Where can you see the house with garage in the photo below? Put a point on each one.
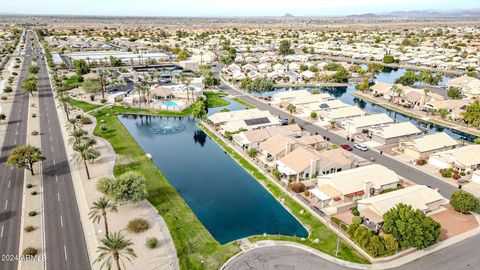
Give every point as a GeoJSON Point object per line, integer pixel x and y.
{"type": "Point", "coordinates": [235, 121]}
{"type": "Point", "coordinates": [420, 197]}
{"type": "Point", "coordinates": [363, 123]}
{"type": "Point", "coordinates": [393, 133]}
{"type": "Point", "coordinates": [422, 147]}
{"type": "Point", "coordinates": [287, 96]}
{"type": "Point", "coordinates": [339, 191]}
{"type": "Point", "coordinates": [464, 159]}
{"type": "Point", "coordinates": [252, 138]}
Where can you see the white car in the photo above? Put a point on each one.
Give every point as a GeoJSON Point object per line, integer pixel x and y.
{"type": "Point", "coordinates": [361, 147]}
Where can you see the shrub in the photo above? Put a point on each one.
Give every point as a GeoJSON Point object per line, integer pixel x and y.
{"type": "Point", "coordinates": [4, 98]}
{"type": "Point", "coordinates": [306, 193]}
{"type": "Point", "coordinates": [33, 193]}
{"type": "Point", "coordinates": [29, 229]}
{"type": "Point", "coordinates": [357, 220]}
{"type": "Point", "coordinates": [85, 120]}
{"type": "Point", "coordinates": [29, 185]}
{"type": "Point", "coordinates": [355, 212]}
{"type": "Point", "coordinates": [34, 115]}
{"type": "Point", "coordinates": [137, 225]}
{"type": "Point", "coordinates": [7, 89]}
{"type": "Point", "coordinates": [92, 97]}
{"type": "Point", "coordinates": [421, 162]}
{"type": "Point", "coordinates": [313, 115]}
{"type": "Point", "coordinates": [32, 213]}
{"type": "Point", "coordinates": [152, 242]}
{"type": "Point", "coordinates": [252, 152]}
{"type": "Point", "coordinates": [464, 202]}
{"type": "Point", "coordinates": [391, 245]}
{"type": "Point", "coordinates": [29, 251]}
{"type": "Point", "coordinates": [297, 186]}
{"type": "Point", "coordinates": [103, 100]}
{"type": "Point", "coordinates": [446, 173]}
{"type": "Point", "coordinates": [462, 173]}
{"type": "Point", "coordinates": [34, 133]}
{"type": "Point", "coordinates": [104, 127]}
{"type": "Point", "coordinates": [276, 173]}
{"type": "Point", "coordinates": [456, 176]}
{"type": "Point", "coordinates": [103, 185]}
{"type": "Point", "coordinates": [119, 99]}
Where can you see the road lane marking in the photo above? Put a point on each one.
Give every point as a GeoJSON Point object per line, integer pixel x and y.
{"type": "Point", "coordinates": [61, 221]}
{"type": "Point", "coordinates": [58, 197]}
{"type": "Point", "coordinates": [56, 178]}
{"type": "Point", "coordinates": [1, 233]}
{"type": "Point", "coordinates": [6, 204]}
{"type": "Point", "coordinates": [9, 183]}
{"type": "Point", "coordinates": [54, 163]}
{"type": "Point", "coordinates": [65, 249]}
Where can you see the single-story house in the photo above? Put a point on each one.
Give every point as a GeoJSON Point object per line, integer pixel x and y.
{"type": "Point", "coordinates": [287, 96]}
{"type": "Point", "coordinates": [234, 121]}
{"type": "Point", "coordinates": [358, 124]}
{"type": "Point", "coordinates": [342, 114]}
{"type": "Point", "coordinates": [424, 146]}
{"type": "Point", "coordinates": [252, 138]}
{"type": "Point", "coordinates": [420, 197]}
{"type": "Point", "coordinates": [464, 159]}
{"type": "Point", "coordinates": [393, 133]}
{"type": "Point", "coordinates": [348, 186]}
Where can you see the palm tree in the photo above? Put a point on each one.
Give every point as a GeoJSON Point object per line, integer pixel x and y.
{"type": "Point", "coordinates": [140, 88]}
{"type": "Point", "coordinates": [333, 123]}
{"type": "Point", "coordinates": [64, 100]}
{"type": "Point", "coordinates": [182, 78]}
{"type": "Point", "coordinates": [425, 92]}
{"type": "Point", "coordinates": [74, 124]}
{"type": "Point", "coordinates": [103, 81]}
{"type": "Point", "coordinates": [84, 153]}
{"type": "Point", "coordinates": [398, 91]}
{"type": "Point", "coordinates": [99, 211]}
{"type": "Point", "coordinates": [77, 135]}
{"type": "Point", "coordinates": [114, 248]}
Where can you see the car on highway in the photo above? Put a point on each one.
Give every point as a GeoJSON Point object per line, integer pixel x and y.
{"type": "Point", "coordinates": [346, 147]}
{"type": "Point", "coordinates": [361, 147]}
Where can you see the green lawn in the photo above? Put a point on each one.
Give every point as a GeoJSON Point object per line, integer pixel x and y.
{"type": "Point", "coordinates": [84, 106]}
{"type": "Point", "coordinates": [246, 104]}
{"type": "Point", "coordinates": [192, 240]}
{"type": "Point", "coordinates": [72, 82]}
{"type": "Point", "coordinates": [215, 99]}
{"type": "Point", "coordinates": [316, 229]}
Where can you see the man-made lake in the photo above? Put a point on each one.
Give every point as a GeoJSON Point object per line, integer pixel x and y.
{"type": "Point", "coordinates": [345, 94]}
{"type": "Point", "coordinates": [227, 200]}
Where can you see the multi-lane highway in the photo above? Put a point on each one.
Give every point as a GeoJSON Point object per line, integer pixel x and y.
{"type": "Point", "coordinates": [64, 237]}
{"type": "Point", "coordinates": [11, 179]}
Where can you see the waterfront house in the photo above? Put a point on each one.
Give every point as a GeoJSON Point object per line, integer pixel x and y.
{"type": "Point", "coordinates": [160, 93]}
{"type": "Point", "coordinates": [235, 121]}
{"type": "Point", "coordinates": [340, 191]}
{"type": "Point", "coordinates": [470, 86]}
{"type": "Point", "coordinates": [342, 114]}
{"type": "Point", "coordinates": [420, 197]}
{"type": "Point", "coordinates": [278, 146]}
{"type": "Point", "coordinates": [380, 88]}
{"type": "Point", "coordinates": [252, 138]}
{"type": "Point", "coordinates": [393, 133]}
{"type": "Point", "coordinates": [422, 147]}
{"type": "Point", "coordinates": [287, 96]}
{"type": "Point", "coordinates": [359, 124]}
{"type": "Point", "coordinates": [306, 162]}
{"type": "Point", "coordinates": [464, 159]}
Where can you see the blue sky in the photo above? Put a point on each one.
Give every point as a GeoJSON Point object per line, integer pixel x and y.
{"type": "Point", "coordinates": [226, 7]}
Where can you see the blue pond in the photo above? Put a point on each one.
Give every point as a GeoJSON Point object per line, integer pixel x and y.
{"type": "Point", "coordinates": [227, 200]}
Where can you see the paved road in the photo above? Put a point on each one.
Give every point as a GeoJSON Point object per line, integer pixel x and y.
{"type": "Point", "coordinates": [64, 238]}
{"type": "Point", "coordinates": [400, 168]}
{"type": "Point", "coordinates": [11, 180]}
{"type": "Point", "coordinates": [456, 257]}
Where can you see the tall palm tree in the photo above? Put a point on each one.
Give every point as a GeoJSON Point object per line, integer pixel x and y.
{"type": "Point", "coordinates": [84, 153]}
{"type": "Point", "coordinates": [291, 108]}
{"type": "Point", "coordinates": [77, 136]}
{"type": "Point", "coordinates": [425, 92]}
{"type": "Point", "coordinates": [99, 210]}
{"type": "Point", "coordinates": [398, 91]}
{"type": "Point", "coordinates": [140, 89]}
{"type": "Point", "coordinates": [64, 100]}
{"type": "Point", "coordinates": [114, 248]}
{"type": "Point", "coordinates": [73, 124]}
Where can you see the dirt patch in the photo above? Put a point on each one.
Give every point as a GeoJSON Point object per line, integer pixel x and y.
{"type": "Point", "coordinates": [345, 217]}
{"type": "Point", "coordinates": [454, 223]}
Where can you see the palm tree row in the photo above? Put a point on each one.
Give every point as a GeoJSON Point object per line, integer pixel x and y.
{"type": "Point", "coordinates": [82, 145]}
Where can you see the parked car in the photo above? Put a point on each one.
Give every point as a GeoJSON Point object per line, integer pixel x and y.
{"type": "Point", "coordinates": [361, 147]}
{"type": "Point", "coordinates": [346, 147]}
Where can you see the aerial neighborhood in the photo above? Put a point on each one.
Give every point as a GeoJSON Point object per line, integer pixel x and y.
{"type": "Point", "coordinates": [239, 143]}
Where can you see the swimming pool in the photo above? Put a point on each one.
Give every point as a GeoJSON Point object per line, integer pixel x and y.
{"type": "Point", "coordinates": [171, 104]}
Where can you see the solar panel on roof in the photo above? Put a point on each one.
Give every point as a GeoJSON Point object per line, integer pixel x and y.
{"type": "Point", "coordinates": [324, 106]}
{"type": "Point", "coordinates": [257, 121]}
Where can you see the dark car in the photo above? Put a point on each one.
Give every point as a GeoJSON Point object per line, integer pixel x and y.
{"type": "Point", "coordinates": [346, 147]}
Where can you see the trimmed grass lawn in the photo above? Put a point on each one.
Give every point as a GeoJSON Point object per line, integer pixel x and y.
{"type": "Point", "coordinates": [316, 229]}
{"type": "Point", "coordinates": [215, 99]}
{"type": "Point", "coordinates": [84, 106]}
{"type": "Point", "coordinates": [246, 104]}
{"type": "Point", "coordinates": [72, 82]}
{"type": "Point", "coordinates": [192, 240]}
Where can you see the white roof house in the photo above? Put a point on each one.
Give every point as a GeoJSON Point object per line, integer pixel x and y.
{"type": "Point", "coordinates": [420, 197]}
{"type": "Point", "coordinates": [425, 145]}
{"type": "Point", "coordinates": [289, 95]}
{"type": "Point", "coordinates": [394, 132]}
{"type": "Point", "coordinates": [342, 114]}
{"type": "Point", "coordinates": [310, 99]}
{"type": "Point", "coordinates": [463, 158]}
{"type": "Point", "coordinates": [357, 124]}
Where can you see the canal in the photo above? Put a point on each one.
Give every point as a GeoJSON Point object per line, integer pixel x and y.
{"type": "Point", "coordinates": [345, 94]}
{"type": "Point", "coordinates": [226, 199]}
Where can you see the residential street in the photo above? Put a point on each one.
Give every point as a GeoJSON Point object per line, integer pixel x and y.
{"type": "Point", "coordinates": [64, 238]}
{"type": "Point", "coordinates": [11, 179]}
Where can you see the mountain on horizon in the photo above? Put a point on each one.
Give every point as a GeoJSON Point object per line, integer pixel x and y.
{"type": "Point", "coordinates": [464, 13]}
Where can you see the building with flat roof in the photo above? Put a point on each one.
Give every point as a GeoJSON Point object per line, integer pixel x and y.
{"type": "Point", "coordinates": [358, 124]}
{"type": "Point", "coordinates": [235, 121]}
{"type": "Point", "coordinates": [393, 133]}
{"type": "Point", "coordinates": [464, 159]}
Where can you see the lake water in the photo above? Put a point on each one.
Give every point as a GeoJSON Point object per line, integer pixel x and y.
{"type": "Point", "coordinates": [345, 94]}
{"type": "Point", "coordinates": [227, 200]}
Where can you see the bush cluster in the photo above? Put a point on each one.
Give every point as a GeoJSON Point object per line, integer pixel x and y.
{"type": "Point", "coordinates": [297, 186]}
{"type": "Point", "coordinates": [373, 244]}
{"type": "Point", "coordinates": [152, 242]}
{"type": "Point", "coordinates": [137, 225]}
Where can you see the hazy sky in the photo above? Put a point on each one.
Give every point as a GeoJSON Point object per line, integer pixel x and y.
{"type": "Point", "coordinates": [225, 7]}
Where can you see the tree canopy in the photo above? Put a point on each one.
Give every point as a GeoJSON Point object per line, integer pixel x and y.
{"type": "Point", "coordinates": [284, 48]}
{"type": "Point", "coordinates": [411, 228]}
{"type": "Point", "coordinates": [454, 93]}
{"type": "Point", "coordinates": [128, 187]}
{"type": "Point", "coordinates": [472, 114]}
{"type": "Point", "coordinates": [257, 85]}
{"type": "Point", "coordinates": [81, 67]}
{"type": "Point", "coordinates": [24, 157]}
{"type": "Point", "coordinates": [409, 78]}
{"type": "Point", "coordinates": [464, 202]}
